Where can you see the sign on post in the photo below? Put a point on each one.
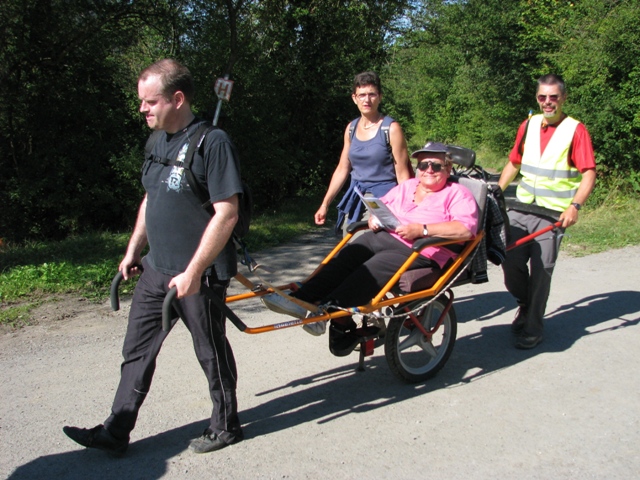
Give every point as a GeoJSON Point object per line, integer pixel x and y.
{"type": "Point", "coordinates": [222, 88]}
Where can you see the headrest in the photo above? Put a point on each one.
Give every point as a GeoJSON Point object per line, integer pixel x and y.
{"type": "Point", "coordinates": [465, 157]}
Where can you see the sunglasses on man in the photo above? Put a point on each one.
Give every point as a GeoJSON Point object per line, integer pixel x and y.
{"type": "Point", "coordinates": [435, 166]}
{"type": "Point", "coordinates": [552, 98]}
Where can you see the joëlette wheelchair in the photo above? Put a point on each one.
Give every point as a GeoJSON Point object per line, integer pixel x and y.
{"type": "Point", "coordinates": [418, 304]}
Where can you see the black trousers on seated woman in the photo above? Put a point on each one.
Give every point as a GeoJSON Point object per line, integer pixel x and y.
{"type": "Point", "coordinates": [359, 271]}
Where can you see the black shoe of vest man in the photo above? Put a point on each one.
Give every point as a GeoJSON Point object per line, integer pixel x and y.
{"type": "Point", "coordinates": [210, 442]}
{"type": "Point", "coordinates": [527, 342]}
{"type": "Point", "coordinates": [517, 326]}
{"type": "Point", "coordinates": [97, 437]}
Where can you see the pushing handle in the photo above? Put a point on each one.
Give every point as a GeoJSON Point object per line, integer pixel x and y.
{"type": "Point", "coordinates": [167, 308]}
{"type": "Point", "coordinates": [530, 237]}
{"type": "Point", "coordinates": [167, 311]}
{"type": "Point", "coordinates": [115, 283]}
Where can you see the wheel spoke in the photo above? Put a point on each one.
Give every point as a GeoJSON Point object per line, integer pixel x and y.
{"type": "Point", "coordinates": [413, 356]}
{"type": "Point", "coordinates": [429, 349]}
{"type": "Point", "coordinates": [411, 340]}
{"type": "Point", "coordinates": [426, 317]}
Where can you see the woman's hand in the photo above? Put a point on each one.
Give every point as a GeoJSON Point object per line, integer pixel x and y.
{"type": "Point", "coordinates": [374, 224]}
{"type": "Point", "coordinates": [321, 215]}
{"type": "Point", "coordinates": [410, 232]}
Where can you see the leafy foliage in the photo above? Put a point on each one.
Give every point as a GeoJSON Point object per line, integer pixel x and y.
{"type": "Point", "coordinates": [456, 71]}
{"type": "Point", "coordinates": [71, 141]}
{"type": "Point", "coordinates": [467, 71]}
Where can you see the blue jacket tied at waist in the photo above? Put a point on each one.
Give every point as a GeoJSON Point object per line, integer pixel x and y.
{"type": "Point", "coordinates": [351, 207]}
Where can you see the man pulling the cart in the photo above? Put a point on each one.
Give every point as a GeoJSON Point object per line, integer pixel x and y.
{"type": "Point", "coordinates": [554, 154]}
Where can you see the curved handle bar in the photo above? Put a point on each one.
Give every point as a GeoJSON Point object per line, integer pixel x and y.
{"type": "Point", "coordinates": [359, 225]}
{"type": "Point", "coordinates": [168, 301]}
{"type": "Point", "coordinates": [115, 283]}
{"type": "Point", "coordinates": [166, 308]}
{"type": "Point", "coordinates": [173, 293]}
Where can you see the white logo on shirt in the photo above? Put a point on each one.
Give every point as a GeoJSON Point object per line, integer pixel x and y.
{"type": "Point", "coordinates": [174, 182]}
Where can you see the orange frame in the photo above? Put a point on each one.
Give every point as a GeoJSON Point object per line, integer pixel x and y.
{"type": "Point", "coordinates": [378, 302]}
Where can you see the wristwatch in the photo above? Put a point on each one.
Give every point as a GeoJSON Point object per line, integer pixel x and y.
{"type": "Point", "coordinates": [425, 232]}
{"type": "Point", "coordinates": [577, 206]}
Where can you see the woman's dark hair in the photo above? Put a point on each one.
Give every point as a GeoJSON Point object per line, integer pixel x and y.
{"type": "Point", "coordinates": [367, 78]}
{"type": "Point", "coordinates": [174, 77]}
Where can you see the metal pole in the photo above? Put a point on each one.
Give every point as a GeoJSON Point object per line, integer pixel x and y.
{"type": "Point", "coordinates": [219, 106]}
{"type": "Point", "coordinates": [217, 114]}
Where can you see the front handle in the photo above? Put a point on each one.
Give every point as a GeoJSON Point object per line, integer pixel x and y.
{"type": "Point", "coordinates": [115, 283]}
{"type": "Point", "coordinates": [167, 308]}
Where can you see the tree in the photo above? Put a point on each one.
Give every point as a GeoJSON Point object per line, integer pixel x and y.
{"type": "Point", "coordinates": [71, 145]}
{"type": "Point", "coordinates": [67, 113]}
{"type": "Point", "coordinates": [600, 63]}
{"type": "Point", "coordinates": [466, 71]}
{"type": "Point", "coordinates": [293, 65]}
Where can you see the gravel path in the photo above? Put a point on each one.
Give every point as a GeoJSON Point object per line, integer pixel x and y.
{"type": "Point", "coordinates": [568, 409]}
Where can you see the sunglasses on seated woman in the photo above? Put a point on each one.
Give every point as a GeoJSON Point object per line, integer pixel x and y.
{"type": "Point", "coordinates": [435, 166]}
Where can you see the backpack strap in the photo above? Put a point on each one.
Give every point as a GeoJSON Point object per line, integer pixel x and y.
{"type": "Point", "coordinates": [352, 128]}
{"type": "Point", "coordinates": [197, 188]}
{"type": "Point", "coordinates": [386, 124]}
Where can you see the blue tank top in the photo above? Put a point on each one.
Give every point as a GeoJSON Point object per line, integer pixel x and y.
{"type": "Point", "coordinates": [371, 160]}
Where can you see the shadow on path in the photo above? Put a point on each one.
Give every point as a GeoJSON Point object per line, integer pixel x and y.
{"type": "Point", "coordinates": [334, 393]}
{"type": "Point", "coordinates": [491, 349]}
{"type": "Point", "coordinates": [475, 356]}
{"type": "Point", "coordinates": [146, 458]}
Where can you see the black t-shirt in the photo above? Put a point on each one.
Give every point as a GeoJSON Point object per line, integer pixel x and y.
{"type": "Point", "coordinates": [175, 219]}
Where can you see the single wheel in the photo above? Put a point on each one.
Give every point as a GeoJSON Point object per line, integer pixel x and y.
{"type": "Point", "coordinates": [414, 357]}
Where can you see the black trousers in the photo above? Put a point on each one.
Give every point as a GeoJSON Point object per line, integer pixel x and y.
{"type": "Point", "coordinates": [142, 345]}
{"type": "Point", "coordinates": [359, 270]}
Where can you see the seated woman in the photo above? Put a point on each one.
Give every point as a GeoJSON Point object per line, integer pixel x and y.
{"type": "Point", "coordinates": [428, 205]}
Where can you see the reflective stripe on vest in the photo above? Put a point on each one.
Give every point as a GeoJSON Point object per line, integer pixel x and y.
{"type": "Point", "coordinates": [548, 179]}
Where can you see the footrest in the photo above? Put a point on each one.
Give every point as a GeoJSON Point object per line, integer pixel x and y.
{"type": "Point", "coordinates": [342, 343]}
{"type": "Point", "coordinates": [367, 333]}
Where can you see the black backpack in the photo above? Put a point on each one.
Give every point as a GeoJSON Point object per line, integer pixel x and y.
{"type": "Point", "coordinates": [245, 200]}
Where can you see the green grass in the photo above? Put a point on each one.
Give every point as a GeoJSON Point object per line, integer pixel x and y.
{"type": "Point", "coordinates": [36, 272]}
{"type": "Point", "coordinates": [293, 218]}
{"type": "Point", "coordinates": [613, 224]}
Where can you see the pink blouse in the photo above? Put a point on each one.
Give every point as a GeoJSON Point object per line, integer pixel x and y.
{"type": "Point", "coordinates": [453, 202]}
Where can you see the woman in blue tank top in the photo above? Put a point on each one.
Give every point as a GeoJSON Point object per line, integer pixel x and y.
{"type": "Point", "coordinates": [374, 155]}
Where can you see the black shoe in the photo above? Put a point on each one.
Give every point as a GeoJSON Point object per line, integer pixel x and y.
{"type": "Point", "coordinates": [517, 326]}
{"type": "Point", "coordinates": [97, 437]}
{"type": "Point", "coordinates": [526, 342]}
{"type": "Point", "coordinates": [517, 329]}
{"type": "Point", "coordinates": [210, 442]}
{"type": "Point", "coordinates": [342, 338]}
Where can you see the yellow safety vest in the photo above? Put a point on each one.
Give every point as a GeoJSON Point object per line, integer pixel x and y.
{"type": "Point", "coordinates": [548, 179]}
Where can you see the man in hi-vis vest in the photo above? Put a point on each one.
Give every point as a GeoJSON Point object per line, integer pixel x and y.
{"type": "Point", "coordinates": [554, 154]}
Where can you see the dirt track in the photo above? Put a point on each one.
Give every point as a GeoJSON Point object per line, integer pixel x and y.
{"type": "Point", "coordinates": [569, 409]}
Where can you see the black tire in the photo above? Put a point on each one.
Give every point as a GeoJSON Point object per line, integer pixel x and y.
{"type": "Point", "coordinates": [412, 357]}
